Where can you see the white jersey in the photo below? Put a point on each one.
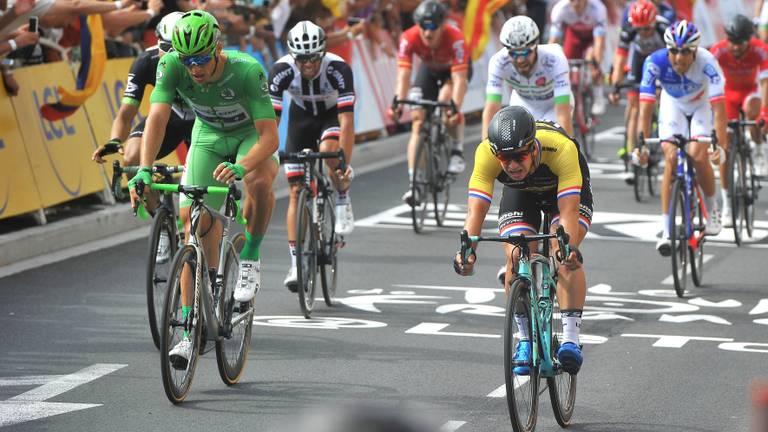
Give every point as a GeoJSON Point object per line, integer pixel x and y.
{"type": "Point", "coordinates": [547, 85]}
{"type": "Point", "coordinates": [592, 19]}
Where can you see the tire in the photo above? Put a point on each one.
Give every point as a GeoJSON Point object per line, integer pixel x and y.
{"type": "Point", "coordinates": [653, 175]}
{"type": "Point", "coordinates": [176, 383]}
{"type": "Point", "coordinates": [522, 390]}
{"type": "Point", "coordinates": [441, 180]}
{"type": "Point", "coordinates": [751, 190]}
{"type": "Point", "coordinates": [562, 387]}
{"type": "Point", "coordinates": [697, 255]}
{"type": "Point", "coordinates": [736, 185]}
{"type": "Point", "coordinates": [306, 253]}
{"type": "Point", "coordinates": [158, 272]}
{"type": "Point", "coordinates": [328, 248]}
{"type": "Point", "coordinates": [422, 173]}
{"type": "Point", "coordinates": [232, 350]}
{"type": "Point", "coordinates": [678, 238]}
{"type": "Point", "coordinates": [589, 135]}
{"type": "Point", "coordinates": [640, 182]}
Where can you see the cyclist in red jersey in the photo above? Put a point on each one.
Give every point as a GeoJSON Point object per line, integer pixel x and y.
{"type": "Point", "coordinates": [744, 60]}
{"type": "Point", "coordinates": [442, 76]}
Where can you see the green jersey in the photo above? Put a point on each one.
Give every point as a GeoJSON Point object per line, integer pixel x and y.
{"type": "Point", "coordinates": [238, 98]}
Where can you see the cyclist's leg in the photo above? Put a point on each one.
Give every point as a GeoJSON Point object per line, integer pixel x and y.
{"type": "Point", "coordinates": [671, 122]}
{"type": "Point", "coordinates": [425, 87]}
{"type": "Point", "coordinates": [633, 104]}
{"type": "Point", "coordinates": [302, 130]}
{"type": "Point", "coordinates": [518, 214]}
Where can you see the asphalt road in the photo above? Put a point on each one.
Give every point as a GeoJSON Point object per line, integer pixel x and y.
{"type": "Point", "coordinates": [75, 350]}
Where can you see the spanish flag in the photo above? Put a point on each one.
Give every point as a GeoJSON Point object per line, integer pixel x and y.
{"type": "Point", "coordinates": [477, 24]}
{"type": "Point", "coordinates": [92, 63]}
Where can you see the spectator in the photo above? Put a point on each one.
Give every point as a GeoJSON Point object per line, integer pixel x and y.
{"type": "Point", "coordinates": [56, 13]}
{"type": "Point", "coordinates": [17, 40]}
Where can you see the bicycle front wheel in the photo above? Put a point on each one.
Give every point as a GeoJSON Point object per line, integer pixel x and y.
{"type": "Point", "coordinates": [697, 254]}
{"type": "Point", "coordinates": [736, 185]}
{"type": "Point", "coordinates": [306, 252]}
{"type": "Point", "coordinates": [751, 188]}
{"type": "Point", "coordinates": [177, 375]}
{"type": "Point", "coordinates": [522, 388]}
{"type": "Point", "coordinates": [328, 241]}
{"type": "Point", "coordinates": [653, 175]}
{"type": "Point", "coordinates": [640, 182]}
{"type": "Point", "coordinates": [678, 236]}
{"type": "Point", "coordinates": [422, 173]}
{"type": "Point", "coordinates": [562, 387]}
{"type": "Point", "coordinates": [163, 244]}
{"type": "Point", "coordinates": [235, 318]}
{"type": "Point", "coordinates": [441, 181]}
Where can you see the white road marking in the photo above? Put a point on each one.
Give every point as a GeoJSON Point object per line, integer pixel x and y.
{"type": "Point", "coordinates": [449, 288]}
{"type": "Point", "coordinates": [452, 425]}
{"type": "Point", "coordinates": [669, 280]}
{"type": "Point", "coordinates": [761, 308]}
{"type": "Point", "coordinates": [435, 329]}
{"type": "Point", "coordinates": [674, 341]}
{"type": "Point", "coordinates": [729, 303]}
{"type": "Point", "coordinates": [501, 391]}
{"type": "Point", "coordinates": [31, 404]}
{"type": "Point", "coordinates": [679, 319]}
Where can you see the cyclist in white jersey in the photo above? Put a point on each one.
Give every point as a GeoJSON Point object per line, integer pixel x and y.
{"type": "Point", "coordinates": [538, 75]}
{"type": "Point", "coordinates": [692, 86]}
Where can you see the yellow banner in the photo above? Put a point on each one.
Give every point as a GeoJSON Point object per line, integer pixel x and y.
{"type": "Point", "coordinates": [60, 151]}
{"type": "Point", "coordinates": [18, 193]}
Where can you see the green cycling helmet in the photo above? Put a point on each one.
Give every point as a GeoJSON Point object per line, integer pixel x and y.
{"type": "Point", "coordinates": [195, 33]}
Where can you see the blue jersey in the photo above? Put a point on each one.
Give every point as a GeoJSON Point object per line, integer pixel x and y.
{"type": "Point", "coordinates": [703, 81]}
{"type": "Point", "coordinates": [663, 8]}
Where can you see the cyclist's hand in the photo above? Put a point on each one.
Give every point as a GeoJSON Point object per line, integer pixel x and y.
{"type": "Point", "coordinates": [717, 156]}
{"type": "Point", "coordinates": [396, 111]}
{"type": "Point", "coordinates": [455, 118]}
{"type": "Point", "coordinates": [574, 260]}
{"type": "Point", "coordinates": [144, 174]}
{"type": "Point", "coordinates": [345, 178]}
{"type": "Point", "coordinates": [614, 98]}
{"type": "Point", "coordinates": [111, 147]}
{"type": "Point", "coordinates": [466, 269]}
{"type": "Point", "coordinates": [228, 172]}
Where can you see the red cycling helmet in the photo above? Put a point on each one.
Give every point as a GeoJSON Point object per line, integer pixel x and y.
{"type": "Point", "coordinates": [642, 13]}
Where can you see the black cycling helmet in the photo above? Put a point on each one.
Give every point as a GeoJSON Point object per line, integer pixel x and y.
{"type": "Point", "coordinates": [429, 13]}
{"type": "Point", "coordinates": [511, 128]}
{"type": "Point", "coordinates": [740, 28]}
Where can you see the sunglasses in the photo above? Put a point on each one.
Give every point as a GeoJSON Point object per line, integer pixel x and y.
{"type": "Point", "coordinates": [518, 156]}
{"type": "Point", "coordinates": [198, 60]}
{"type": "Point", "coordinates": [683, 51]}
{"type": "Point", "coordinates": [308, 58]}
{"type": "Point", "coordinates": [645, 29]}
{"type": "Point", "coordinates": [738, 42]}
{"type": "Point", "coordinates": [165, 46]}
{"type": "Point", "coordinates": [429, 25]}
{"type": "Point", "coordinates": [525, 52]}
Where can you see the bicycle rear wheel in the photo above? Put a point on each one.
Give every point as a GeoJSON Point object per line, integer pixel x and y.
{"type": "Point", "coordinates": [236, 319]}
{"type": "Point", "coordinates": [751, 190]}
{"type": "Point", "coordinates": [422, 174]}
{"type": "Point", "coordinates": [177, 378]}
{"type": "Point", "coordinates": [678, 238]}
{"type": "Point", "coordinates": [697, 254]}
{"type": "Point", "coordinates": [328, 249]}
{"type": "Point", "coordinates": [306, 253]}
{"type": "Point", "coordinates": [440, 181]}
{"type": "Point", "coordinates": [159, 268]}
{"type": "Point", "coordinates": [562, 387]}
{"type": "Point", "coordinates": [522, 390]}
{"type": "Point", "coordinates": [737, 188]}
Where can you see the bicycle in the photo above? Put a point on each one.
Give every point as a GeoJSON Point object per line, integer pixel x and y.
{"type": "Point", "coordinates": [317, 243]}
{"type": "Point", "coordinates": [742, 182]}
{"type": "Point", "coordinates": [687, 214]}
{"type": "Point", "coordinates": [164, 224]}
{"type": "Point", "coordinates": [431, 178]}
{"type": "Point", "coordinates": [534, 302]}
{"type": "Point", "coordinates": [584, 123]}
{"type": "Point", "coordinates": [215, 315]}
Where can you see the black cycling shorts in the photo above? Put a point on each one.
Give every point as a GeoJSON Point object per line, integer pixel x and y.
{"type": "Point", "coordinates": [305, 131]}
{"type": "Point", "coordinates": [429, 82]}
{"type": "Point", "coordinates": [177, 131]}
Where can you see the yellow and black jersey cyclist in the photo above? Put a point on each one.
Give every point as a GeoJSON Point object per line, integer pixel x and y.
{"type": "Point", "coordinates": [541, 169]}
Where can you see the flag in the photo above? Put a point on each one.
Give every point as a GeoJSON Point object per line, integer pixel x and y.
{"type": "Point", "coordinates": [477, 24]}
{"type": "Point", "coordinates": [93, 54]}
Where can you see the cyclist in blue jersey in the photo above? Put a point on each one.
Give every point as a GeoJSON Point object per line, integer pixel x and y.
{"type": "Point", "coordinates": [692, 90]}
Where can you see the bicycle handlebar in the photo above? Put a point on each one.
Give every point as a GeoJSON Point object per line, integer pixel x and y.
{"type": "Point", "coordinates": [736, 123]}
{"type": "Point", "coordinates": [562, 239]}
{"type": "Point", "coordinates": [302, 156]}
{"type": "Point", "coordinates": [679, 140]}
{"type": "Point", "coordinates": [161, 168]}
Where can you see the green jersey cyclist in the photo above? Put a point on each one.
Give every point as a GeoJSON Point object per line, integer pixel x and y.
{"type": "Point", "coordinates": [227, 90]}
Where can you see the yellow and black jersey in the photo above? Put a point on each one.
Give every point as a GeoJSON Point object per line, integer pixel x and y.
{"type": "Point", "coordinates": [561, 167]}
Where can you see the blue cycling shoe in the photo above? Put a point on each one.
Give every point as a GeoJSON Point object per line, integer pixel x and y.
{"type": "Point", "coordinates": [522, 355]}
{"type": "Point", "coordinates": [570, 357]}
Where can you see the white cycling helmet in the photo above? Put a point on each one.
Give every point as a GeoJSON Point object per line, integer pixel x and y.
{"type": "Point", "coordinates": [164, 30]}
{"type": "Point", "coordinates": [519, 32]}
{"type": "Point", "coordinates": [306, 38]}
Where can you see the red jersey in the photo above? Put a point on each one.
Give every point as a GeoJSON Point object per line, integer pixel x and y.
{"type": "Point", "coordinates": [742, 74]}
{"type": "Point", "coordinates": [451, 54]}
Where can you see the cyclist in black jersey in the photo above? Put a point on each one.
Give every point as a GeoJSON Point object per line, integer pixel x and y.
{"type": "Point", "coordinates": [142, 74]}
{"type": "Point", "coordinates": [322, 111]}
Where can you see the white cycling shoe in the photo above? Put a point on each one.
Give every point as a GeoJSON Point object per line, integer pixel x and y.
{"type": "Point", "coordinates": [598, 106]}
{"type": "Point", "coordinates": [248, 280]}
{"type": "Point", "coordinates": [456, 165]}
{"type": "Point", "coordinates": [664, 247]}
{"type": "Point", "coordinates": [727, 218]}
{"type": "Point", "coordinates": [292, 280]}
{"type": "Point", "coordinates": [345, 219]}
{"type": "Point", "coordinates": [180, 354]}
{"type": "Point", "coordinates": [714, 223]}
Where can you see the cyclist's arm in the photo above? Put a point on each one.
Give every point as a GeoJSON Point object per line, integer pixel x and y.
{"type": "Point", "coordinates": [648, 95]}
{"type": "Point", "coordinates": [619, 62]}
{"type": "Point", "coordinates": [459, 67]}
{"type": "Point", "coordinates": [720, 123]}
{"type": "Point", "coordinates": [121, 126]}
{"type": "Point", "coordinates": [564, 116]}
{"type": "Point", "coordinates": [347, 135]}
{"type": "Point", "coordinates": [569, 183]}
{"type": "Point", "coordinates": [599, 50]}
{"type": "Point", "coordinates": [154, 131]}
{"type": "Point", "coordinates": [563, 94]}
{"type": "Point", "coordinates": [459, 79]}
{"type": "Point", "coordinates": [490, 108]}
{"type": "Point", "coordinates": [569, 216]}
{"type": "Point", "coordinates": [404, 67]}
{"type": "Point", "coordinates": [764, 99]}
{"type": "Point", "coordinates": [403, 82]}
{"type": "Point", "coordinates": [343, 81]}
{"type": "Point", "coordinates": [493, 89]}
{"type": "Point", "coordinates": [481, 184]}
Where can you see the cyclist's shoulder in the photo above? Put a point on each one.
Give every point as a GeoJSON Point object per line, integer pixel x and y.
{"type": "Point", "coordinates": [553, 138]}
{"type": "Point", "coordinates": [150, 56]}
{"type": "Point", "coordinates": [596, 7]}
{"type": "Point", "coordinates": [553, 51]}
{"type": "Point", "coordinates": [411, 35]}
{"type": "Point", "coordinates": [453, 33]}
{"type": "Point", "coordinates": [333, 61]}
